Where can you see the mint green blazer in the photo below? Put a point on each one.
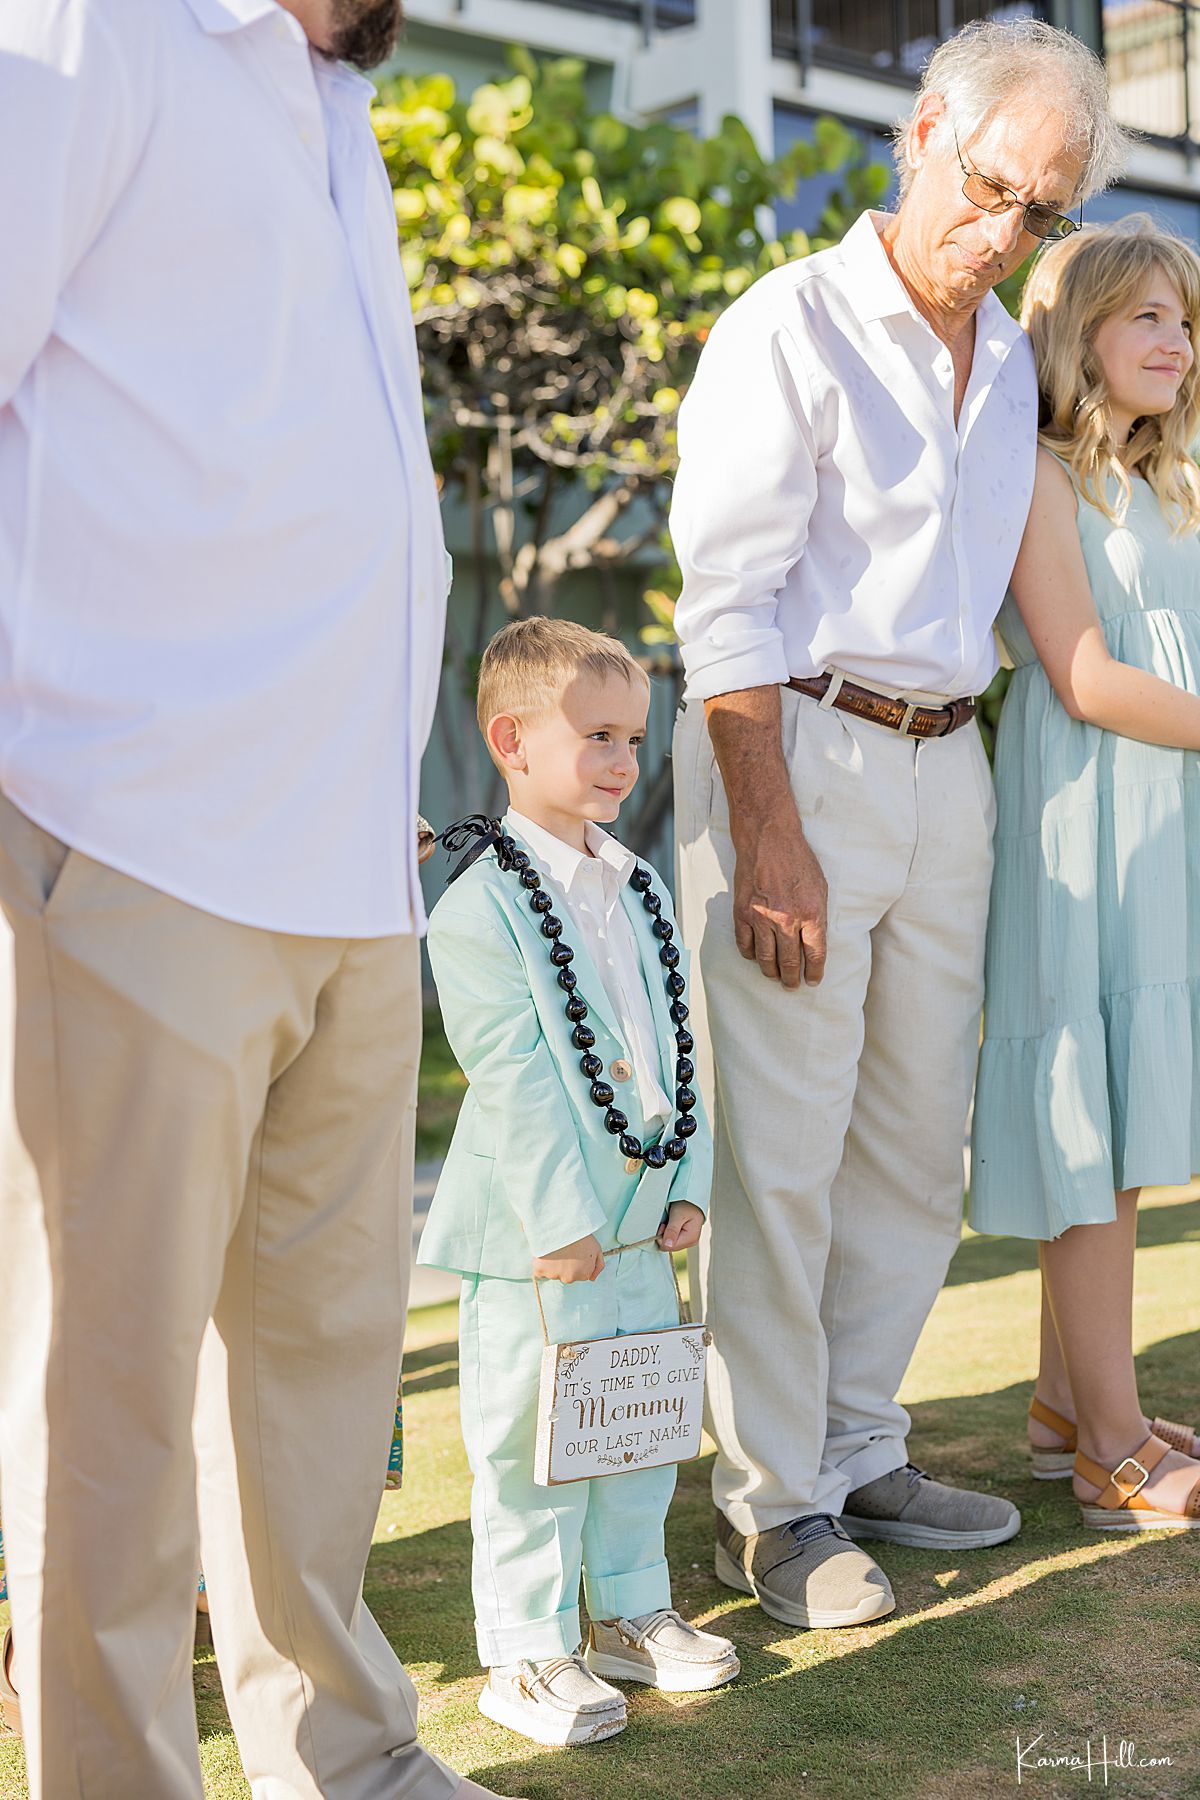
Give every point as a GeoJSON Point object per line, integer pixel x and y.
{"type": "Point", "coordinates": [531, 1166]}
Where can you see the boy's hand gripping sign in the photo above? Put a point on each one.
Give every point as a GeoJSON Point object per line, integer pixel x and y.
{"type": "Point", "coordinates": [608, 1405]}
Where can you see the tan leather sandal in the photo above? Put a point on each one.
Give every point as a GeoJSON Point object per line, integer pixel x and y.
{"type": "Point", "coordinates": [1053, 1465]}
{"type": "Point", "coordinates": [10, 1707]}
{"type": "Point", "coordinates": [1121, 1504]}
{"type": "Point", "coordinates": [1180, 1437]}
{"type": "Point", "coordinates": [1057, 1464]}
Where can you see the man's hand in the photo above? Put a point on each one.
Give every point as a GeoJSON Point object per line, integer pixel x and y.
{"type": "Point", "coordinates": [780, 898]}
{"type": "Point", "coordinates": [681, 1227]}
{"type": "Point", "coordinates": [580, 1261]}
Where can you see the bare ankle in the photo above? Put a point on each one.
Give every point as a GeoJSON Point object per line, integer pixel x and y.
{"type": "Point", "coordinates": [1110, 1442]}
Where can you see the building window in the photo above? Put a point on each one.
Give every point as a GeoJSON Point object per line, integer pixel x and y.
{"type": "Point", "coordinates": [892, 38]}
{"type": "Point", "coordinates": [655, 15]}
{"type": "Point", "coordinates": [803, 211]}
{"type": "Point", "coordinates": [1152, 49]}
{"type": "Point", "coordinates": [1173, 212]}
{"type": "Point", "coordinates": [685, 114]}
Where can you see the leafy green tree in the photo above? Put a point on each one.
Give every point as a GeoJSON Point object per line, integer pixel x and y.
{"type": "Point", "coordinates": [565, 267]}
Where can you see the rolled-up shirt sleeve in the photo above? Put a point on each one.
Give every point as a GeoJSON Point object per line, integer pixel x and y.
{"type": "Point", "coordinates": [70, 126]}
{"type": "Point", "coordinates": [745, 491]}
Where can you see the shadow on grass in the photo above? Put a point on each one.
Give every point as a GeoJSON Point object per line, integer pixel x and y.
{"type": "Point", "coordinates": [1032, 1636]}
{"type": "Point", "coordinates": [979, 1440]}
{"type": "Point", "coordinates": [1028, 1637]}
{"type": "Point", "coordinates": [419, 1589]}
{"type": "Point", "coordinates": [1061, 1631]}
{"type": "Point", "coordinates": [434, 1366]}
{"type": "Point", "coordinates": [419, 1585]}
{"type": "Point", "coordinates": [991, 1258]}
{"type": "Point", "coordinates": [916, 1707]}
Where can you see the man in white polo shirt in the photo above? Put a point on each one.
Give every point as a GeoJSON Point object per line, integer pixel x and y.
{"type": "Point", "coordinates": [222, 592]}
{"type": "Point", "coordinates": [857, 456]}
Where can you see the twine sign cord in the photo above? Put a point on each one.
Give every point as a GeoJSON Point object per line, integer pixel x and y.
{"type": "Point", "coordinates": [685, 1317]}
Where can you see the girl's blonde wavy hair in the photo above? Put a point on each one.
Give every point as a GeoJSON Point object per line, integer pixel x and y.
{"type": "Point", "coordinates": [1074, 286]}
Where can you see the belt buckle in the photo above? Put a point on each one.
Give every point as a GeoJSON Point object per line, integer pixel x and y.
{"type": "Point", "coordinates": [1126, 1490]}
{"type": "Point", "coordinates": [910, 712]}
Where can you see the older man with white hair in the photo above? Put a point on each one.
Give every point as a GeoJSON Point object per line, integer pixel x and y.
{"type": "Point", "coordinates": [857, 456]}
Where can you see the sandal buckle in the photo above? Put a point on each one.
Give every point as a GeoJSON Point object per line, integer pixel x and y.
{"type": "Point", "coordinates": [1125, 1487]}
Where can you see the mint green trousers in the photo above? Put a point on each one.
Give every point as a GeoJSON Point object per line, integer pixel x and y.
{"type": "Point", "coordinates": [531, 1544]}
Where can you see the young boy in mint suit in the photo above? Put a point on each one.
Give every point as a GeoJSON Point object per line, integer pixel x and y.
{"type": "Point", "coordinates": [543, 1177]}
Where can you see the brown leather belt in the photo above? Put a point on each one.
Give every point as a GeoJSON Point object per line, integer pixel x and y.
{"type": "Point", "coordinates": [898, 715]}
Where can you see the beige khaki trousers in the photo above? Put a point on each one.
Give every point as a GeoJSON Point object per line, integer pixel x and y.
{"type": "Point", "coordinates": [203, 1122]}
{"type": "Point", "coordinates": [838, 1111]}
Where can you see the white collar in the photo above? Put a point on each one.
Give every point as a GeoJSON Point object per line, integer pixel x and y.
{"type": "Point", "coordinates": [879, 292]}
{"type": "Point", "coordinates": [563, 862]}
{"type": "Point", "coordinates": [217, 16]}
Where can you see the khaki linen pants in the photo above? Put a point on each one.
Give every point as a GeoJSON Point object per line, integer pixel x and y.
{"type": "Point", "coordinates": [202, 1122]}
{"type": "Point", "coordinates": [838, 1111]}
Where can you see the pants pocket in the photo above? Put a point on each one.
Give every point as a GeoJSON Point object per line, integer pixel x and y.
{"type": "Point", "coordinates": [36, 860]}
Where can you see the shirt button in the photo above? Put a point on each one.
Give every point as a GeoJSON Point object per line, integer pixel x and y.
{"type": "Point", "coordinates": [621, 1070]}
{"type": "Point", "coordinates": [632, 1164]}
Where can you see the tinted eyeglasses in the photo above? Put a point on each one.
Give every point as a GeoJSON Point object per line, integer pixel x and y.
{"type": "Point", "coordinates": [993, 197]}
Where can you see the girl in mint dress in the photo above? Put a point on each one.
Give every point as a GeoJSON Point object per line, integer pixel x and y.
{"type": "Point", "coordinates": [1089, 1080]}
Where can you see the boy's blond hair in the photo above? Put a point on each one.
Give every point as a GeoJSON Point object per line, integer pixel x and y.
{"type": "Point", "coordinates": [530, 662]}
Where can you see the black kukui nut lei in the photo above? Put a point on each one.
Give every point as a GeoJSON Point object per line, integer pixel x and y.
{"type": "Point", "coordinates": [654, 1156]}
{"type": "Point", "coordinates": [475, 835]}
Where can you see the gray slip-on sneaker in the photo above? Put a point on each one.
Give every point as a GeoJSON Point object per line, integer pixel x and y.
{"type": "Point", "coordinates": [909, 1507]}
{"type": "Point", "coordinates": [807, 1572]}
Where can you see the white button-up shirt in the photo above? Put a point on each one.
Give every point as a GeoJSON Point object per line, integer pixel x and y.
{"type": "Point", "coordinates": [222, 576]}
{"type": "Point", "coordinates": [829, 512]}
{"type": "Point", "coordinates": [588, 886]}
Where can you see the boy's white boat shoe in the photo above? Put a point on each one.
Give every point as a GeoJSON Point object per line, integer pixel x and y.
{"type": "Point", "coordinates": [662, 1649]}
{"type": "Point", "coordinates": [557, 1701]}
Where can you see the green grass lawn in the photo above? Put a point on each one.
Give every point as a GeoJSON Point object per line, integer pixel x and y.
{"type": "Point", "coordinates": [441, 1089]}
{"type": "Point", "coordinates": [1074, 1635]}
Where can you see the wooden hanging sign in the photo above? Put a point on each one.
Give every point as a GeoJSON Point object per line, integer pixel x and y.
{"type": "Point", "coordinates": [612, 1404]}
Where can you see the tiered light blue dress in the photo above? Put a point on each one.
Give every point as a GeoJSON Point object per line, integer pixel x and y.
{"type": "Point", "coordinates": [1089, 1076]}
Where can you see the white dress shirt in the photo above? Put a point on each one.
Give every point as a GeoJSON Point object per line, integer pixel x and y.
{"type": "Point", "coordinates": [222, 576]}
{"type": "Point", "coordinates": [828, 511]}
{"type": "Point", "coordinates": [588, 887]}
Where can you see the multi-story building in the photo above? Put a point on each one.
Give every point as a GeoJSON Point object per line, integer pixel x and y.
{"type": "Point", "coordinates": [779, 64]}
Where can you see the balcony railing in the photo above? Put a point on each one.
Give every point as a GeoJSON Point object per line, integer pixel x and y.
{"type": "Point", "coordinates": [888, 38]}
{"type": "Point", "coordinates": [1152, 48]}
{"type": "Point", "coordinates": [653, 15]}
